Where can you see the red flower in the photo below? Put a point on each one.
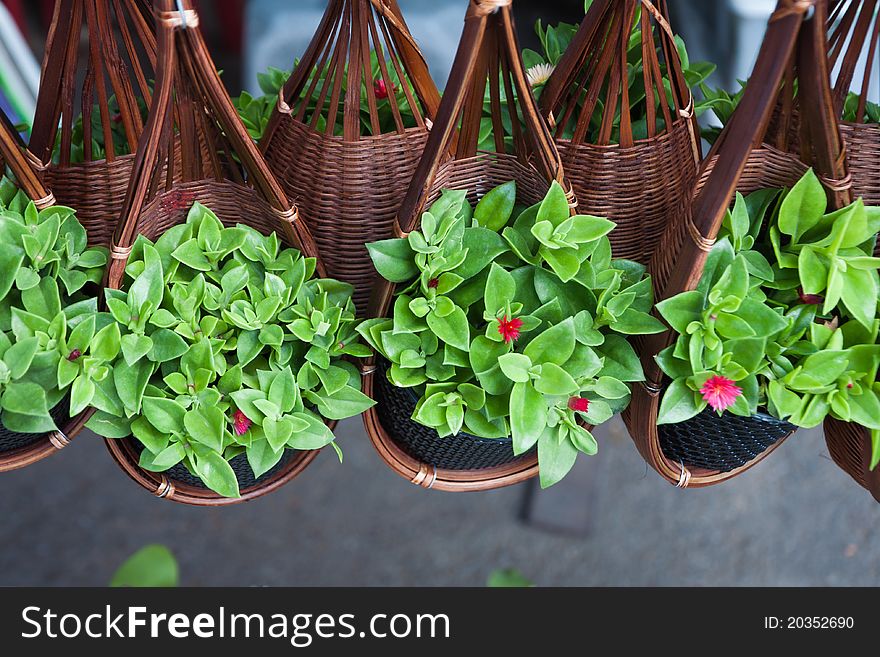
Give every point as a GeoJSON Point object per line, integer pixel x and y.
{"type": "Point", "coordinates": [74, 355]}
{"type": "Point", "coordinates": [240, 423]}
{"type": "Point", "coordinates": [720, 392]}
{"type": "Point", "coordinates": [509, 329]}
{"type": "Point", "coordinates": [810, 299]}
{"type": "Point", "coordinates": [381, 89]}
{"type": "Point", "coordinates": [433, 283]}
{"type": "Point", "coordinates": [579, 404]}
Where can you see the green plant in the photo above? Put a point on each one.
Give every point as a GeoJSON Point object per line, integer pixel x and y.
{"type": "Point", "coordinates": [153, 566]}
{"type": "Point", "coordinates": [229, 346]}
{"type": "Point", "coordinates": [255, 111]}
{"type": "Point", "coordinates": [785, 316]}
{"type": "Point", "coordinates": [53, 342]}
{"type": "Point", "coordinates": [556, 40]}
{"type": "Point", "coordinates": [510, 322]}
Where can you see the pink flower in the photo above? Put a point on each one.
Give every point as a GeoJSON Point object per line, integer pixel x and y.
{"type": "Point", "coordinates": [381, 89]}
{"type": "Point", "coordinates": [433, 283]}
{"type": "Point", "coordinates": [509, 329]}
{"type": "Point", "coordinates": [240, 423]}
{"type": "Point", "coordinates": [74, 355]}
{"type": "Point", "coordinates": [720, 392]}
{"type": "Point", "coordinates": [579, 404]}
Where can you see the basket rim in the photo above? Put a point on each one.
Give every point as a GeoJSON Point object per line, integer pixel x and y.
{"type": "Point", "coordinates": [123, 451]}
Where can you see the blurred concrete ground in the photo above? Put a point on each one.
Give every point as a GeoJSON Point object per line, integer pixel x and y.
{"type": "Point", "coordinates": [794, 520]}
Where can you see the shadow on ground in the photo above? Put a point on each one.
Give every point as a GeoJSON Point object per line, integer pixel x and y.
{"type": "Point", "coordinates": [795, 520]}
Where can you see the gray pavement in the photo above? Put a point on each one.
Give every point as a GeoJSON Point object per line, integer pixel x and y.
{"type": "Point", "coordinates": [794, 520]}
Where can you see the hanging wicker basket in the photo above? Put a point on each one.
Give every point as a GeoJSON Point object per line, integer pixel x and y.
{"type": "Point", "coordinates": [234, 181]}
{"type": "Point", "coordinates": [488, 54]}
{"type": "Point", "coordinates": [344, 167]}
{"type": "Point", "coordinates": [636, 181]}
{"type": "Point", "coordinates": [707, 449]}
{"type": "Point", "coordinates": [18, 450]}
{"type": "Point", "coordinates": [119, 65]}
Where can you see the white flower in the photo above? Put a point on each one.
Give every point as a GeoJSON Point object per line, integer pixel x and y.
{"type": "Point", "coordinates": [539, 74]}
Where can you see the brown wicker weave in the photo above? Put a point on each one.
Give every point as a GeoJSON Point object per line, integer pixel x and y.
{"type": "Point", "coordinates": [190, 100]}
{"type": "Point", "coordinates": [14, 155]}
{"type": "Point", "coordinates": [853, 41]}
{"type": "Point", "coordinates": [795, 36]}
{"type": "Point", "coordinates": [854, 37]}
{"type": "Point", "coordinates": [639, 184]}
{"type": "Point", "coordinates": [349, 187]}
{"type": "Point", "coordinates": [120, 61]}
{"type": "Point", "coordinates": [489, 52]}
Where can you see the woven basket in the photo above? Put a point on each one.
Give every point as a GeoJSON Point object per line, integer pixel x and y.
{"type": "Point", "coordinates": [19, 450]}
{"type": "Point", "coordinates": [234, 182]}
{"type": "Point", "coordinates": [638, 184]}
{"type": "Point", "coordinates": [794, 36]}
{"type": "Point", "coordinates": [853, 41]}
{"type": "Point", "coordinates": [119, 62]}
{"type": "Point", "coordinates": [488, 53]}
{"type": "Point", "coordinates": [349, 186]}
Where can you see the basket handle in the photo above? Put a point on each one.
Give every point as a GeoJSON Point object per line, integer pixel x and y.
{"type": "Point", "coordinates": [596, 58]}
{"type": "Point", "coordinates": [354, 24]}
{"type": "Point", "coordinates": [489, 49]}
{"type": "Point", "coordinates": [849, 28]}
{"type": "Point", "coordinates": [797, 28]}
{"type": "Point", "coordinates": [55, 110]}
{"type": "Point", "coordinates": [184, 68]}
{"type": "Point", "coordinates": [20, 161]}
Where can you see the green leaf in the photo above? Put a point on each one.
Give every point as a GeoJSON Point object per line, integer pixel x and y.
{"type": "Point", "coordinates": [192, 255]}
{"type": "Point", "coordinates": [555, 345]}
{"type": "Point", "coordinates": [528, 416]}
{"type": "Point", "coordinates": [394, 260]}
{"type": "Point", "coordinates": [206, 426]}
{"type": "Point", "coordinates": [554, 208]}
{"type": "Point", "coordinates": [679, 404]}
{"type": "Point", "coordinates": [164, 414]}
{"type": "Point", "coordinates": [803, 207]}
{"type": "Point", "coordinates": [153, 566]}
{"type": "Point", "coordinates": [452, 329]}
{"type": "Point", "coordinates": [135, 347]}
{"type": "Point", "coordinates": [555, 458]}
{"type": "Point", "coordinates": [345, 403]}
{"type": "Point", "coordinates": [813, 271]}
{"type": "Point", "coordinates": [621, 361]}
{"type": "Point", "coordinates": [262, 457]}
{"type": "Point", "coordinates": [500, 288]}
{"type": "Point", "coordinates": [515, 367]}
{"type": "Point", "coordinates": [318, 434]}
{"type": "Point", "coordinates": [216, 473]}
{"type": "Point", "coordinates": [496, 207]}
{"type": "Point", "coordinates": [27, 399]}
{"type": "Point", "coordinates": [106, 343]}
{"type": "Point", "coordinates": [18, 357]}
{"type": "Point", "coordinates": [483, 247]}
{"type": "Point", "coordinates": [11, 258]}
{"type": "Point", "coordinates": [859, 295]}
{"type": "Point", "coordinates": [682, 309]}
{"type": "Point", "coordinates": [166, 346]}
{"type": "Point", "coordinates": [555, 381]}
{"type": "Point", "coordinates": [149, 285]}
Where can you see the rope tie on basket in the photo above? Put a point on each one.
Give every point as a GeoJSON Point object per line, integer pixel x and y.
{"type": "Point", "coordinates": [165, 489]}
{"type": "Point", "coordinates": [45, 202]}
{"type": "Point", "coordinates": [684, 478]}
{"type": "Point", "coordinates": [58, 439]}
{"type": "Point", "coordinates": [485, 7]}
{"type": "Point", "coordinates": [572, 198]}
{"type": "Point", "coordinates": [688, 114]}
{"type": "Point", "coordinates": [367, 370]}
{"type": "Point", "coordinates": [282, 105]}
{"type": "Point", "coordinates": [118, 252]}
{"type": "Point", "coordinates": [34, 161]}
{"type": "Point", "coordinates": [838, 184]}
{"type": "Point", "coordinates": [421, 478]}
{"type": "Point", "coordinates": [703, 243]}
{"type": "Point", "coordinates": [793, 8]}
{"type": "Point", "coordinates": [652, 389]}
{"type": "Point", "coordinates": [291, 215]}
{"type": "Point", "coordinates": [398, 231]}
{"type": "Point", "coordinates": [182, 18]}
